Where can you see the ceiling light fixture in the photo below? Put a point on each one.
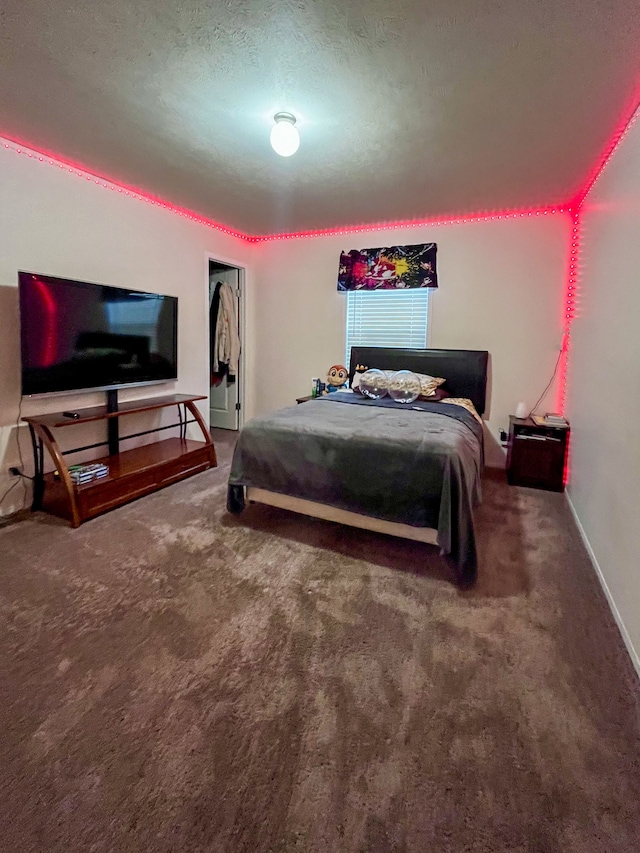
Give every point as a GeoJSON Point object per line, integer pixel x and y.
{"type": "Point", "coordinates": [285, 139]}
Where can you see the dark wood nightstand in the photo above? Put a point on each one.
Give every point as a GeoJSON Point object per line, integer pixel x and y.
{"type": "Point", "coordinates": [536, 455]}
{"type": "Point", "coordinates": [304, 399]}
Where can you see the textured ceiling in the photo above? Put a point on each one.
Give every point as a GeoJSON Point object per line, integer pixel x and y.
{"type": "Point", "coordinates": [407, 109]}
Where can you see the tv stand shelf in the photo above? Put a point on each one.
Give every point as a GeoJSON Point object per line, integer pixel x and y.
{"type": "Point", "coordinates": [132, 473]}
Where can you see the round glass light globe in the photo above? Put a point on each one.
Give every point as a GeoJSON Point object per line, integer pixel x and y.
{"type": "Point", "coordinates": [404, 386]}
{"type": "Point", "coordinates": [374, 383]}
{"type": "Point", "coordinates": [285, 139]}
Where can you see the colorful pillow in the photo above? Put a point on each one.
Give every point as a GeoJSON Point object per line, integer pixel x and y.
{"type": "Point", "coordinates": [428, 384]}
{"type": "Point", "coordinates": [466, 404]}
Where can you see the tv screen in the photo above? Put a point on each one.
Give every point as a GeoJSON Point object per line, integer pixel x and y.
{"type": "Point", "coordinates": [77, 336]}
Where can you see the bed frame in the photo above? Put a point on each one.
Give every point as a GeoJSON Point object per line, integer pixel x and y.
{"type": "Point", "coordinates": [342, 516]}
{"type": "Point", "coordinates": [465, 370]}
{"type": "Point", "coordinates": [466, 375]}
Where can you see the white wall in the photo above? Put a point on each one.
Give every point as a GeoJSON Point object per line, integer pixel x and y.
{"type": "Point", "coordinates": [604, 387]}
{"type": "Point", "coordinates": [57, 223]}
{"type": "Point", "coordinates": [501, 289]}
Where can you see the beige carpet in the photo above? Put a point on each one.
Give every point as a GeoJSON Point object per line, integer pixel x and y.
{"type": "Point", "coordinates": [176, 679]}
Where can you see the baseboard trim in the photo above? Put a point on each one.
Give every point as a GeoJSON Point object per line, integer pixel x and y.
{"type": "Point", "coordinates": [633, 654]}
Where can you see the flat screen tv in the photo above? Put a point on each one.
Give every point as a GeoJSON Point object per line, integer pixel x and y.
{"type": "Point", "coordinates": [77, 336]}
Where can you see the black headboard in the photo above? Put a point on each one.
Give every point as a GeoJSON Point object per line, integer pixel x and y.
{"type": "Point", "coordinates": [465, 370]}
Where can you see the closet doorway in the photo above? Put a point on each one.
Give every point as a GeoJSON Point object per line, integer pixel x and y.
{"type": "Point", "coordinates": [225, 283]}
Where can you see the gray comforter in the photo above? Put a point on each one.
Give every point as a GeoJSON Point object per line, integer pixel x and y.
{"type": "Point", "coordinates": [418, 464]}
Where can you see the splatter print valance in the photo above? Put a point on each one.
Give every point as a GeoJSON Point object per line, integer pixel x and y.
{"type": "Point", "coordinates": [390, 268]}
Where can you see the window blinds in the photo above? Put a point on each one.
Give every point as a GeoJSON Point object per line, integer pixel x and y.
{"type": "Point", "coordinates": [387, 318]}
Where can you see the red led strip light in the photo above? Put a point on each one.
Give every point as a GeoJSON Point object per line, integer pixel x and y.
{"type": "Point", "coordinates": [131, 192]}
{"type": "Point", "coordinates": [575, 209]}
{"type": "Point", "coordinates": [618, 135]}
{"type": "Point", "coordinates": [109, 184]}
{"type": "Point", "coordinates": [432, 223]}
{"type": "Point", "coordinates": [569, 307]}
{"type": "Point", "coordinates": [573, 205]}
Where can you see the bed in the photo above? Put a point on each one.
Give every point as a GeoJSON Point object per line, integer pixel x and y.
{"type": "Point", "coordinates": [410, 470]}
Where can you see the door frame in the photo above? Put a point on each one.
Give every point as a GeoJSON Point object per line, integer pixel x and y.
{"type": "Point", "coordinates": [216, 257]}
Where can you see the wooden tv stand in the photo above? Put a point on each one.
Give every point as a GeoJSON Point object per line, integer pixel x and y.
{"type": "Point", "coordinates": [132, 473]}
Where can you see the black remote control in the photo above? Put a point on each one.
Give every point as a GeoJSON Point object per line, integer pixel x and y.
{"type": "Point", "coordinates": [73, 415]}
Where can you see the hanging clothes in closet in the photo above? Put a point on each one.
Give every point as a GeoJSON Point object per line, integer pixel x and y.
{"type": "Point", "coordinates": [224, 341]}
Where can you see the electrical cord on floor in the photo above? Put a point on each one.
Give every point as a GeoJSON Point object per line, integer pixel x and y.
{"type": "Point", "coordinates": [5, 519]}
{"type": "Point", "coordinates": [544, 393]}
{"type": "Point", "coordinates": [2, 499]}
{"type": "Point", "coordinates": [25, 490]}
{"type": "Point", "coordinates": [22, 477]}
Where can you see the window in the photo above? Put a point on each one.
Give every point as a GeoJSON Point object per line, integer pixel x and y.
{"type": "Point", "coordinates": [387, 318]}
